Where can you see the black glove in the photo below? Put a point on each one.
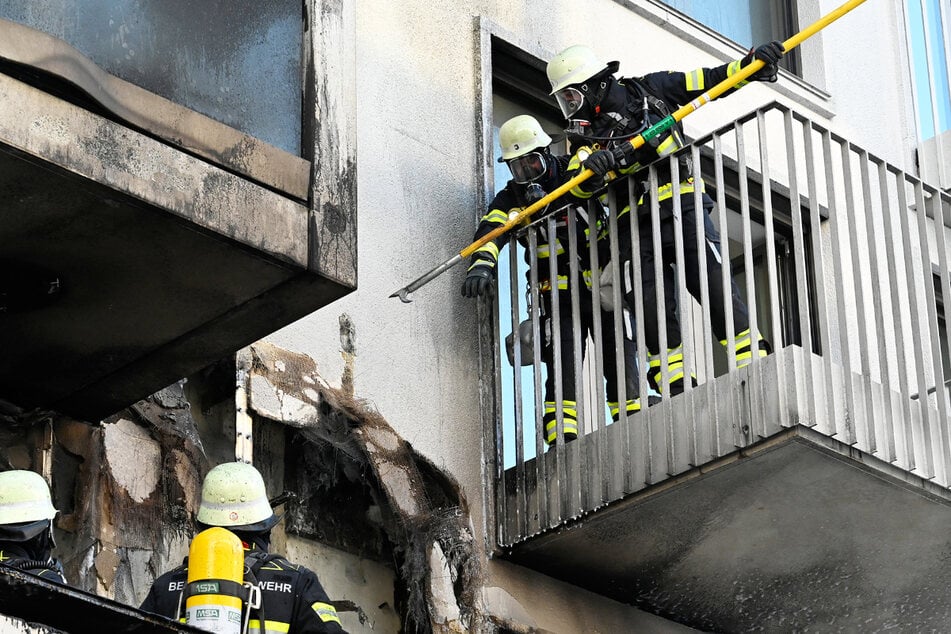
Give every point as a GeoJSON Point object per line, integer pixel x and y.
{"type": "Point", "coordinates": [601, 162]}
{"type": "Point", "coordinates": [770, 54]}
{"type": "Point", "coordinates": [479, 280]}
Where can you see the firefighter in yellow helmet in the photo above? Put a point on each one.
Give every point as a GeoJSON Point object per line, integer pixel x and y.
{"type": "Point", "coordinates": [604, 113]}
{"type": "Point", "coordinates": [535, 172]}
{"type": "Point", "coordinates": [233, 497]}
{"type": "Point", "coordinates": [26, 525]}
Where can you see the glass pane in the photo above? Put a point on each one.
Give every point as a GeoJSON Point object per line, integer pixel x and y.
{"type": "Point", "coordinates": [746, 22]}
{"type": "Point", "coordinates": [237, 61]}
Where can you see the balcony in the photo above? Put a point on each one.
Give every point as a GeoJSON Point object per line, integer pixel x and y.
{"type": "Point", "coordinates": [141, 240]}
{"type": "Point", "coordinates": [809, 487]}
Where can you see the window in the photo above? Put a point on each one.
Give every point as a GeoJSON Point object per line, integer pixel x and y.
{"type": "Point", "coordinates": [928, 33]}
{"type": "Point", "coordinates": [746, 22]}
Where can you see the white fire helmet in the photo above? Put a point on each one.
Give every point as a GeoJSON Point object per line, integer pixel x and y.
{"type": "Point", "coordinates": [574, 65]}
{"type": "Point", "coordinates": [24, 497]}
{"type": "Point", "coordinates": [520, 135]}
{"type": "Point", "coordinates": [233, 496]}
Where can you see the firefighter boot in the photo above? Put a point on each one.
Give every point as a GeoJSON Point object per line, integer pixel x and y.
{"type": "Point", "coordinates": [744, 345]}
{"type": "Point", "coordinates": [675, 371]}
{"type": "Point", "coordinates": [569, 421]}
{"type": "Point", "coordinates": [633, 405]}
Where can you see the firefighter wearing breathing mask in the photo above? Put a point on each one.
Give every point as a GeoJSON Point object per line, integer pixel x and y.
{"type": "Point", "coordinates": [604, 114]}
{"type": "Point", "coordinates": [292, 601]}
{"type": "Point", "coordinates": [535, 172]}
{"type": "Point", "coordinates": [26, 525]}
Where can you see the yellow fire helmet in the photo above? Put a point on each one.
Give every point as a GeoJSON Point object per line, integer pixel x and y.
{"type": "Point", "coordinates": [574, 65]}
{"type": "Point", "coordinates": [233, 496]}
{"type": "Point", "coordinates": [520, 135]}
{"type": "Point", "coordinates": [24, 497]}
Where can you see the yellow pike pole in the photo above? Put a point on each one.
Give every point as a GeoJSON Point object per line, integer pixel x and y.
{"type": "Point", "coordinates": [658, 128]}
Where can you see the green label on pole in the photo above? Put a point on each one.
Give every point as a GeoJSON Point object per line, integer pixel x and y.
{"type": "Point", "coordinates": [661, 126]}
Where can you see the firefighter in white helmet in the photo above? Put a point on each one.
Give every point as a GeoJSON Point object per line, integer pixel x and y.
{"type": "Point", "coordinates": [604, 113]}
{"type": "Point", "coordinates": [535, 172]}
{"type": "Point", "coordinates": [26, 525]}
{"type": "Point", "coordinates": [233, 496]}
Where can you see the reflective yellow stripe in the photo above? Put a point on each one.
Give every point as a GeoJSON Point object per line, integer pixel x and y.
{"type": "Point", "coordinates": [545, 285]}
{"type": "Point", "coordinates": [686, 187]}
{"type": "Point", "coordinates": [568, 408]}
{"type": "Point", "coordinates": [632, 405]}
{"type": "Point", "coordinates": [496, 215]}
{"type": "Point", "coordinates": [733, 69]}
{"type": "Point", "coordinates": [490, 248]}
{"type": "Point", "coordinates": [695, 80]}
{"type": "Point", "coordinates": [326, 612]}
{"type": "Point", "coordinates": [254, 625]}
{"type": "Point", "coordinates": [544, 251]}
{"type": "Point", "coordinates": [570, 424]}
{"type": "Point", "coordinates": [668, 146]}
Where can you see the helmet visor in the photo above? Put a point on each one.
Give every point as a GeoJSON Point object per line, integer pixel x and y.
{"type": "Point", "coordinates": [528, 167]}
{"type": "Point", "coordinates": [570, 100]}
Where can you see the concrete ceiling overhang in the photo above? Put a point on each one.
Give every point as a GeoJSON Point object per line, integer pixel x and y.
{"type": "Point", "coordinates": [795, 534]}
{"type": "Point", "coordinates": [155, 259]}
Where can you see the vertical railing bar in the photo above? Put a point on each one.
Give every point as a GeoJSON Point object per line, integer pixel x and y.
{"type": "Point", "coordinates": [818, 256]}
{"type": "Point", "coordinates": [873, 237]}
{"type": "Point", "coordinates": [660, 299]}
{"type": "Point", "coordinates": [847, 434]}
{"type": "Point", "coordinates": [700, 230]}
{"type": "Point", "coordinates": [799, 252]}
{"type": "Point", "coordinates": [939, 432]}
{"type": "Point", "coordinates": [923, 281]}
{"type": "Point", "coordinates": [750, 275]}
{"type": "Point", "coordinates": [941, 391]}
{"type": "Point", "coordinates": [726, 283]}
{"type": "Point", "coordinates": [597, 335]}
{"type": "Point", "coordinates": [772, 275]}
{"type": "Point", "coordinates": [520, 498]}
{"type": "Point", "coordinates": [912, 284]}
{"type": "Point", "coordinates": [799, 242]}
{"type": "Point", "coordinates": [706, 348]}
{"type": "Point", "coordinates": [865, 369]}
{"type": "Point", "coordinates": [636, 286]}
{"type": "Point", "coordinates": [891, 453]}
{"type": "Point", "coordinates": [541, 464]}
{"type": "Point", "coordinates": [555, 324]}
{"type": "Point", "coordinates": [622, 449]}
{"type": "Point", "coordinates": [578, 347]}
{"type": "Point", "coordinates": [776, 336]}
{"type": "Point", "coordinates": [684, 314]}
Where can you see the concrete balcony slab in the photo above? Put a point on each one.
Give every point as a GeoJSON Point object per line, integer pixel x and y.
{"type": "Point", "coordinates": [129, 263]}
{"type": "Point", "coordinates": [795, 532]}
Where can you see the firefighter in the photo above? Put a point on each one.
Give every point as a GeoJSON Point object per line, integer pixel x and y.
{"type": "Point", "coordinates": [536, 171]}
{"type": "Point", "coordinates": [292, 600]}
{"type": "Point", "coordinates": [26, 525]}
{"type": "Point", "coordinates": [604, 113]}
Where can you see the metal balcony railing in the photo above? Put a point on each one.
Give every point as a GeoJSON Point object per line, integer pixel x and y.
{"type": "Point", "coordinates": [843, 263]}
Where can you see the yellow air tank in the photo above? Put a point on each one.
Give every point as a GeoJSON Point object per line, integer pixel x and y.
{"type": "Point", "coordinates": [215, 582]}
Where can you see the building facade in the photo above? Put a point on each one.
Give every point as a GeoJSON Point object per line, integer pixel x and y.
{"type": "Point", "coordinates": [230, 195]}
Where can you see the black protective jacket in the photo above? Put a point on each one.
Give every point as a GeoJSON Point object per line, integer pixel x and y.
{"type": "Point", "coordinates": [14, 556]}
{"type": "Point", "coordinates": [512, 199]}
{"type": "Point", "coordinates": [292, 599]}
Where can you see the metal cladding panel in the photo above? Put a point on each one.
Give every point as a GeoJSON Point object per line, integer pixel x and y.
{"type": "Point", "coordinates": [237, 62]}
